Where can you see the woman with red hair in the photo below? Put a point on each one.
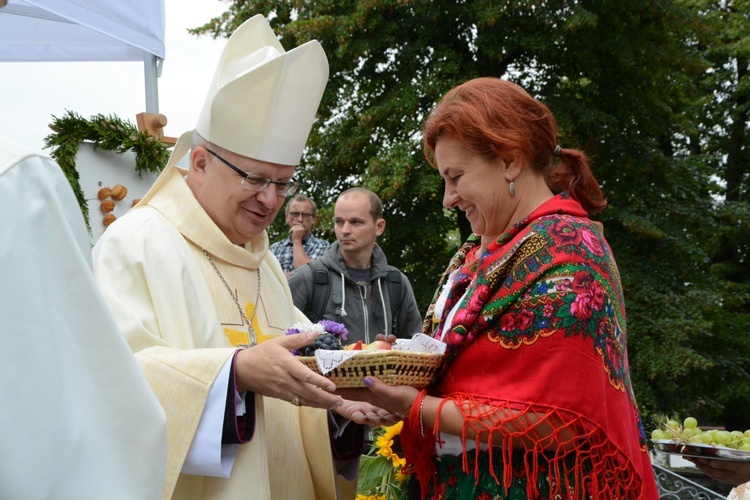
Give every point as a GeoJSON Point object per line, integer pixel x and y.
{"type": "Point", "coordinates": [534, 398]}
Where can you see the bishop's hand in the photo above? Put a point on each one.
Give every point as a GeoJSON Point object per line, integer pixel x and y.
{"type": "Point", "coordinates": [270, 369]}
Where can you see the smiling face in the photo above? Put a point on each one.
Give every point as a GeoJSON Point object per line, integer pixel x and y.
{"type": "Point", "coordinates": [477, 185]}
{"type": "Point", "coordinates": [240, 213]}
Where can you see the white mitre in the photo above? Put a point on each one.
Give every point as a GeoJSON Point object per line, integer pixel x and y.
{"type": "Point", "coordinates": [262, 101]}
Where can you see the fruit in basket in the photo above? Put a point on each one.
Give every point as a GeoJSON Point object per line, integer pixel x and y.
{"type": "Point", "coordinates": [354, 347]}
{"type": "Point", "coordinates": [391, 339]}
{"type": "Point", "coordinates": [378, 344]}
{"type": "Point", "coordinates": [330, 336]}
{"type": "Point", "coordinates": [327, 340]}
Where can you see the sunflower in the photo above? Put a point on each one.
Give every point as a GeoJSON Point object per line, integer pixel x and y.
{"type": "Point", "coordinates": [381, 476]}
{"type": "Point", "coordinates": [384, 443]}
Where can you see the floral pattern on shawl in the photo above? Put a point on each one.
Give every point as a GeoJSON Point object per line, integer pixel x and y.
{"type": "Point", "coordinates": [568, 297]}
{"type": "Point", "coordinates": [550, 276]}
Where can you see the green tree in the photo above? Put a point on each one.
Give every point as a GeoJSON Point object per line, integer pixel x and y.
{"type": "Point", "coordinates": [647, 89]}
{"type": "Point", "coordinates": [724, 118]}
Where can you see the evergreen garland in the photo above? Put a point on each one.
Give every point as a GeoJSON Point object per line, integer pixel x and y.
{"type": "Point", "coordinates": [105, 132]}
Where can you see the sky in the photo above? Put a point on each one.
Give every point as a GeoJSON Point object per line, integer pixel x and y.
{"type": "Point", "coordinates": [32, 93]}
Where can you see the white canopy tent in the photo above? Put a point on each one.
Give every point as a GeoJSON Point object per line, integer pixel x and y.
{"type": "Point", "coordinates": [86, 30]}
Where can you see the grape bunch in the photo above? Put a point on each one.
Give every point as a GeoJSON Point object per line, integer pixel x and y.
{"type": "Point", "coordinates": [688, 432]}
{"type": "Point", "coordinates": [327, 341]}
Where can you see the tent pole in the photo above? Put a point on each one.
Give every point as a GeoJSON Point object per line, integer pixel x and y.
{"type": "Point", "coordinates": [152, 85]}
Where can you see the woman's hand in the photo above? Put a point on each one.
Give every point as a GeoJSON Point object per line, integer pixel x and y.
{"type": "Point", "coordinates": [396, 399]}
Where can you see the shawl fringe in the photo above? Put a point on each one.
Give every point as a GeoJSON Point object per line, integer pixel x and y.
{"type": "Point", "coordinates": [576, 456]}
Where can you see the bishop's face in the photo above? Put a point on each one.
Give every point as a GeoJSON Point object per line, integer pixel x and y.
{"type": "Point", "coordinates": [241, 212]}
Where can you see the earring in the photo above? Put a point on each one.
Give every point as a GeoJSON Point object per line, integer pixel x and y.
{"type": "Point", "coordinates": [512, 189]}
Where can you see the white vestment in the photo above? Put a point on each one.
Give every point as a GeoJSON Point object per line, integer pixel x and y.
{"type": "Point", "coordinates": [77, 418]}
{"type": "Point", "coordinates": [183, 324]}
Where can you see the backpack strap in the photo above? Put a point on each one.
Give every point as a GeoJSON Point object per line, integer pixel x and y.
{"type": "Point", "coordinates": [320, 292]}
{"type": "Point", "coordinates": [337, 296]}
{"type": "Point", "coordinates": [394, 296]}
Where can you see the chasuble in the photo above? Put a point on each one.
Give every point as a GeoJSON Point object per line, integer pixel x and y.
{"type": "Point", "coordinates": [183, 325]}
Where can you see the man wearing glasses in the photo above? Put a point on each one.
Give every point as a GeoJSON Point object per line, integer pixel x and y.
{"type": "Point", "coordinates": [205, 307]}
{"type": "Point", "coordinates": [300, 247]}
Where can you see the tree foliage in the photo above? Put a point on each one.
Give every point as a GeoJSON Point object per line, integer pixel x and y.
{"type": "Point", "coordinates": [655, 92]}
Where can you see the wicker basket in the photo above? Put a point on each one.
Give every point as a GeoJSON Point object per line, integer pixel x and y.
{"type": "Point", "coordinates": [393, 367]}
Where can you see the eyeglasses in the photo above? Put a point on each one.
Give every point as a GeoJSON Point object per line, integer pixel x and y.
{"type": "Point", "coordinates": [304, 215]}
{"type": "Point", "coordinates": [255, 182]}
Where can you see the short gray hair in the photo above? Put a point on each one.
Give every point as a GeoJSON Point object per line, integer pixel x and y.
{"type": "Point", "coordinates": [300, 197]}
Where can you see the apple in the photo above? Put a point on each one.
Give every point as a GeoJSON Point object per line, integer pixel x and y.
{"type": "Point", "coordinates": [354, 347]}
{"type": "Point", "coordinates": [378, 344]}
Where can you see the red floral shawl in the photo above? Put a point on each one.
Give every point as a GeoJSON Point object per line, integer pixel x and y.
{"type": "Point", "coordinates": [542, 330]}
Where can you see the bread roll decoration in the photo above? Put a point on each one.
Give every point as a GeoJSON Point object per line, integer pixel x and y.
{"type": "Point", "coordinates": [119, 192]}
{"type": "Point", "coordinates": [107, 206]}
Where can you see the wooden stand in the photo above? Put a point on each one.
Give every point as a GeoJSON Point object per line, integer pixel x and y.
{"type": "Point", "coordinates": [154, 124]}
